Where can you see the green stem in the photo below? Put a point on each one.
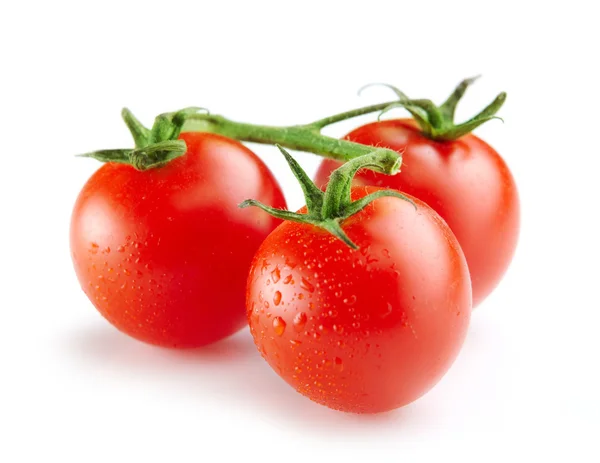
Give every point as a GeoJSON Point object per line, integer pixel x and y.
{"type": "Point", "coordinates": [157, 146]}
{"type": "Point", "coordinates": [328, 210]}
{"type": "Point", "coordinates": [299, 137]}
{"type": "Point", "coordinates": [338, 194]}
{"type": "Point", "coordinates": [321, 123]}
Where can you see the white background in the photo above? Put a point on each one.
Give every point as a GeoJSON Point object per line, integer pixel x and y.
{"type": "Point", "coordinates": [73, 389]}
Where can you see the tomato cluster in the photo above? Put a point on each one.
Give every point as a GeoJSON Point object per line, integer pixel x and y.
{"type": "Point", "coordinates": [361, 300]}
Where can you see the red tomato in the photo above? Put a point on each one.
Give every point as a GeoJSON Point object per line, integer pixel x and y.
{"type": "Point", "coordinates": [164, 254]}
{"type": "Point", "coordinates": [361, 331]}
{"type": "Point", "coordinates": [465, 181]}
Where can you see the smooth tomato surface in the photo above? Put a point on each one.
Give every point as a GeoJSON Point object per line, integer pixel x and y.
{"type": "Point", "coordinates": [465, 181]}
{"type": "Point", "coordinates": [164, 254]}
{"type": "Point", "coordinates": [361, 331]}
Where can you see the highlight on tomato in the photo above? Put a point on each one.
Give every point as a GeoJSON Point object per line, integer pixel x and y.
{"type": "Point", "coordinates": [456, 173]}
{"type": "Point", "coordinates": [362, 299]}
{"type": "Point", "coordinates": [157, 240]}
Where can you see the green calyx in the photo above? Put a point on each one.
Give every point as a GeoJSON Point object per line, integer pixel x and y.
{"type": "Point", "coordinates": [437, 122]}
{"type": "Point", "coordinates": [154, 147]}
{"type": "Point", "coordinates": [328, 209]}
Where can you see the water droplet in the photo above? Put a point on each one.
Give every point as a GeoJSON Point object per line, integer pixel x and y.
{"type": "Point", "coordinates": [126, 272]}
{"type": "Point", "coordinates": [350, 300]}
{"type": "Point", "coordinates": [106, 250]}
{"type": "Point", "coordinates": [275, 275]}
{"type": "Point", "coordinates": [307, 285]}
{"type": "Point", "coordinates": [295, 343]}
{"type": "Point", "coordinates": [339, 329]}
{"type": "Point", "coordinates": [316, 335]}
{"type": "Point", "coordinates": [121, 248]}
{"type": "Point", "coordinates": [387, 311]}
{"type": "Point", "coordinates": [339, 364]}
{"type": "Point", "coordinates": [300, 296]}
{"type": "Point", "coordinates": [276, 298]}
{"type": "Point", "coordinates": [356, 325]}
{"type": "Point", "coordinates": [264, 266]}
{"type": "Point", "coordinates": [288, 279]}
{"type": "Point", "coordinates": [279, 325]}
{"type": "Point", "coordinates": [386, 253]}
{"type": "Point", "coordinates": [333, 313]}
{"type": "Point", "coordinates": [266, 304]}
{"type": "Point", "coordinates": [299, 321]}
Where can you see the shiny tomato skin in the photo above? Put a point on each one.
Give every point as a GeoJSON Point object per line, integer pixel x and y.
{"type": "Point", "coordinates": [362, 331]}
{"type": "Point", "coordinates": [465, 181]}
{"type": "Point", "coordinates": [164, 254]}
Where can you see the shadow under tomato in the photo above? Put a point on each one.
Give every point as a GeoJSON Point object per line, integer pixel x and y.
{"type": "Point", "coordinates": [231, 370]}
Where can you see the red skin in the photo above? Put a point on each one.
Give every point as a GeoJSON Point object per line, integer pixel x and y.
{"type": "Point", "coordinates": [361, 331]}
{"type": "Point", "coordinates": [465, 181]}
{"type": "Point", "coordinates": [164, 254]}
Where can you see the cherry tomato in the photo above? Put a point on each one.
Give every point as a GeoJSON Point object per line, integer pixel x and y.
{"type": "Point", "coordinates": [164, 253]}
{"type": "Point", "coordinates": [465, 181]}
{"type": "Point", "coordinates": [364, 330]}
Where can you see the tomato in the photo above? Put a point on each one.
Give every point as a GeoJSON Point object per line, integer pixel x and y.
{"type": "Point", "coordinates": [164, 253]}
{"type": "Point", "coordinates": [465, 181]}
{"type": "Point", "coordinates": [364, 330]}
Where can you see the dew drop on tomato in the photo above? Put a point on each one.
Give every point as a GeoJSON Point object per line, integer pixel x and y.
{"type": "Point", "coordinates": [350, 300]}
{"type": "Point", "coordinates": [307, 285]}
{"type": "Point", "coordinates": [279, 326]}
{"type": "Point", "coordinates": [300, 320]}
{"type": "Point", "coordinates": [275, 275]}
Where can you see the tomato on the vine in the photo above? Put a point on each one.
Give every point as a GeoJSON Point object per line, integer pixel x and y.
{"type": "Point", "coordinates": [463, 179]}
{"type": "Point", "coordinates": [360, 330]}
{"type": "Point", "coordinates": [164, 253]}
